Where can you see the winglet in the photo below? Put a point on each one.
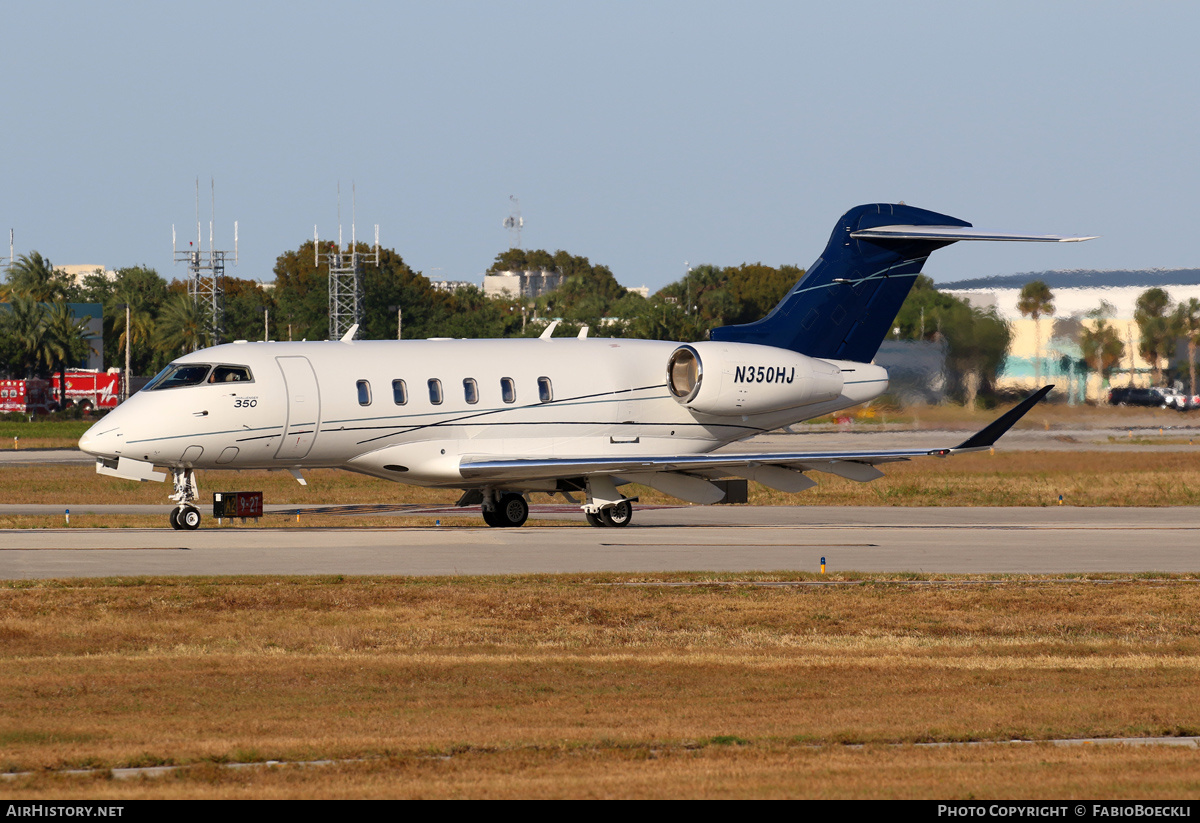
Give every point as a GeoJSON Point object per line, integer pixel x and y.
{"type": "Point", "coordinates": [993, 431]}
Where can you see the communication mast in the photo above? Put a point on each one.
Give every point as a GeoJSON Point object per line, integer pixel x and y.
{"type": "Point", "coordinates": [206, 279]}
{"type": "Point", "coordinates": [514, 223]}
{"type": "Point", "coordinates": [10, 252]}
{"type": "Point", "coordinates": [345, 273]}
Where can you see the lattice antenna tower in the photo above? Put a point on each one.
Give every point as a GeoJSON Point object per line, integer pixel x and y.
{"type": "Point", "coordinates": [514, 223]}
{"type": "Point", "coordinates": [206, 271]}
{"type": "Point", "coordinates": [346, 302]}
{"type": "Point", "coordinates": [10, 253]}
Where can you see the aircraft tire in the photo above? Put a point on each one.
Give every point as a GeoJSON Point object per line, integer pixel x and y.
{"type": "Point", "coordinates": [492, 518]}
{"type": "Point", "coordinates": [595, 520]}
{"type": "Point", "coordinates": [189, 518]}
{"type": "Point", "coordinates": [619, 515]}
{"type": "Point", "coordinates": [512, 510]}
{"type": "Point", "coordinates": [175, 519]}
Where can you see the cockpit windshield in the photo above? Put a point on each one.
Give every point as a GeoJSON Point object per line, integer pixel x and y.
{"type": "Point", "coordinates": [179, 374]}
{"type": "Point", "coordinates": [193, 374]}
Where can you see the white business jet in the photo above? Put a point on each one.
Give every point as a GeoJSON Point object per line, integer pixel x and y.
{"type": "Point", "coordinates": [500, 419]}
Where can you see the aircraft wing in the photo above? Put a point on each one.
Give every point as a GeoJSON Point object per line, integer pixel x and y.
{"type": "Point", "coordinates": [779, 469]}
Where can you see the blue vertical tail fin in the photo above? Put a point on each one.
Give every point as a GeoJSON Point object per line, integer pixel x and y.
{"type": "Point", "coordinates": [844, 305]}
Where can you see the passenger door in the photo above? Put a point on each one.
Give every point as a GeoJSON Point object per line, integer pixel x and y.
{"type": "Point", "coordinates": [303, 408]}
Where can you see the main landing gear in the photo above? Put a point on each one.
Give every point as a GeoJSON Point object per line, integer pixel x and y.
{"type": "Point", "coordinates": [185, 515]}
{"type": "Point", "coordinates": [508, 510]}
{"type": "Point", "coordinates": [605, 506]}
{"type": "Point", "coordinates": [618, 515]}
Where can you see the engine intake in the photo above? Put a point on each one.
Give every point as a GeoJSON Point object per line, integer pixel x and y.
{"type": "Point", "coordinates": [744, 378]}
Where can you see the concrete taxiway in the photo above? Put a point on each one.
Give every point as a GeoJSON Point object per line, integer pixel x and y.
{"type": "Point", "coordinates": [1057, 540]}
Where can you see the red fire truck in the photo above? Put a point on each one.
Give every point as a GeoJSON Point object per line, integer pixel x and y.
{"type": "Point", "coordinates": [25, 396]}
{"type": "Point", "coordinates": [97, 389]}
{"type": "Point", "coordinates": [85, 387]}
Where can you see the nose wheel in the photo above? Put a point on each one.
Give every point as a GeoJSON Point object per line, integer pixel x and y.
{"type": "Point", "coordinates": [185, 516]}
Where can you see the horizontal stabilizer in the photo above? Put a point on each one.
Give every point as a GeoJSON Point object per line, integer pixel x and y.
{"type": "Point", "coordinates": [844, 304]}
{"type": "Point", "coordinates": [954, 233]}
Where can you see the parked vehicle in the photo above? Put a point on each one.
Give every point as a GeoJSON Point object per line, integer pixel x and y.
{"type": "Point", "coordinates": [1157, 396]}
{"type": "Point", "coordinates": [89, 387]}
{"type": "Point", "coordinates": [26, 396]}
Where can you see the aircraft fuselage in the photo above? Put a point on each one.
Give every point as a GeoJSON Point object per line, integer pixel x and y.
{"type": "Point", "coordinates": [410, 410]}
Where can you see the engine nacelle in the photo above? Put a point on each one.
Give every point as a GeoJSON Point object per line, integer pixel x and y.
{"type": "Point", "coordinates": [744, 378]}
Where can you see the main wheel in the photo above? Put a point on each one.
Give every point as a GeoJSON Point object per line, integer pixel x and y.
{"type": "Point", "coordinates": [512, 510]}
{"type": "Point", "coordinates": [492, 518]}
{"type": "Point", "coordinates": [175, 519]}
{"type": "Point", "coordinates": [189, 518]}
{"type": "Point", "coordinates": [618, 515]}
{"type": "Point", "coordinates": [595, 519]}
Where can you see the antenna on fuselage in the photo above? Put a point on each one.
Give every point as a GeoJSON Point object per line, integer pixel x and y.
{"type": "Point", "coordinates": [345, 273]}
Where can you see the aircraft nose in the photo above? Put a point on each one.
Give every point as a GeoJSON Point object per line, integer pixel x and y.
{"type": "Point", "coordinates": [101, 440]}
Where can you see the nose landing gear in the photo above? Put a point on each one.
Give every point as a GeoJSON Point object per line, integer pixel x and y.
{"type": "Point", "coordinates": [185, 515]}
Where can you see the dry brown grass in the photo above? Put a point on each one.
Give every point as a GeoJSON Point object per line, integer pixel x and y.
{"type": "Point", "coordinates": [1004, 479]}
{"type": "Point", "coordinates": [572, 686]}
{"type": "Point", "coordinates": [748, 770]}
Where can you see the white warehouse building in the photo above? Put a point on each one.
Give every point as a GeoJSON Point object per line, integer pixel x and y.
{"type": "Point", "coordinates": [1056, 354]}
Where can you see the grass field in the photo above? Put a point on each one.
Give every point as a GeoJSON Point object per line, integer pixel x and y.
{"type": "Point", "coordinates": [608, 685]}
{"type": "Point", "coordinates": [588, 687]}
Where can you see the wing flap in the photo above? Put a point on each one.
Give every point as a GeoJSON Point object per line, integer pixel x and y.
{"type": "Point", "coordinates": [855, 465]}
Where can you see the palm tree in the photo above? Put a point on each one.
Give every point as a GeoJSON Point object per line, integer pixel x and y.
{"type": "Point", "coordinates": [1101, 344]}
{"type": "Point", "coordinates": [1036, 300]}
{"type": "Point", "coordinates": [181, 326]}
{"type": "Point", "coordinates": [1151, 314]}
{"type": "Point", "coordinates": [34, 276]}
{"type": "Point", "coordinates": [27, 329]}
{"type": "Point", "coordinates": [65, 342]}
{"type": "Point", "coordinates": [1185, 323]}
{"type": "Point", "coordinates": [141, 327]}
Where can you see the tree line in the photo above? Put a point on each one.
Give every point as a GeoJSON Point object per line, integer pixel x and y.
{"type": "Point", "coordinates": [164, 323]}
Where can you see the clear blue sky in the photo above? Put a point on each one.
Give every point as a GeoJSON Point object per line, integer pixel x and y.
{"type": "Point", "coordinates": [639, 134]}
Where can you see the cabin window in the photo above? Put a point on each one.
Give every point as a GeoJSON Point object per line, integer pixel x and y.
{"type": "Point", "coordinates": [508, 390]}
{"type": "Point", "coordinates": [399, 392]}
{"type": "Point", "coordinates": [435, 391]}
{"type": "Point", "coordinates": [545, 390]}
{"type": "Point", "coordinates": [364, 393]}
{"type": "Point", "coordinates": [178, 375]}
{"type": "Point", "coordinates": [471, 390]}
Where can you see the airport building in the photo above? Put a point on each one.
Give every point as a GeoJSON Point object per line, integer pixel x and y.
{"type": "Point", "coordinates": [79, 271]}
{"type": "Point", "coordinates": [1056, 353]}
{"type": "Point", "coordinates": [531, 283]}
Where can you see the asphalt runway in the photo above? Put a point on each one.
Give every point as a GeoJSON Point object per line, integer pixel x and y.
{"type": "Point", "coordinates": [1057, 540]}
